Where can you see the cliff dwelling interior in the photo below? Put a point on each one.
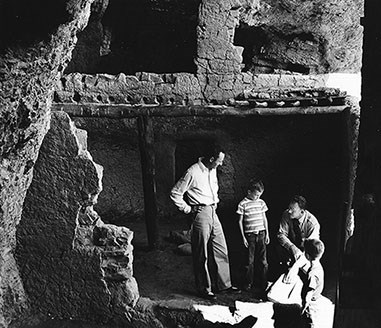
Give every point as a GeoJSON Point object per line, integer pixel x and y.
{"type": "Point", "coordinates": [104, 104]}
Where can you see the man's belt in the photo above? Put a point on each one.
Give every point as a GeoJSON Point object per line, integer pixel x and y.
{"type": "Point", "coordinates": [198, 207]}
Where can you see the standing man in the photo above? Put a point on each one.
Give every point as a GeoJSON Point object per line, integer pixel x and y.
{"type": "Point", "coordinates": [297, 225]}
{"type": "Point", "coordinates": [199, 185]}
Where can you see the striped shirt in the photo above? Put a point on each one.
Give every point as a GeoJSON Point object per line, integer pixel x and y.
{"type": "Point", "coordinates": [253, 214]}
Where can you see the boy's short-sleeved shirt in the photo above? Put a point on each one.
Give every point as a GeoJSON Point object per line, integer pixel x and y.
{"type": "Point", "coordinates": [253, 214]}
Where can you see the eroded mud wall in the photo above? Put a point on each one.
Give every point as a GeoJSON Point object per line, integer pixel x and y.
{"type": "Point", "coordinates": [34, 52]}
{"type": "Point", "coordinates": [72, 264]}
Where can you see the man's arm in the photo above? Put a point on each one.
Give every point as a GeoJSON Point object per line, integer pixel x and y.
{"type": "Point", "coordinates": [178, 191]}
{"type": "Point", "coordinates": [306, 302]}
{"type": "Point", "coordinates": [313, 229]}
{"type": "Point", "coordinates": [284, 241]}
{"type": "Point", "coordinates": [300, 263]}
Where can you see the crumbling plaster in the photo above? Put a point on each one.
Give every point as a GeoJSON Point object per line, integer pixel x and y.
{"type": "Point", "coordinates": [72, 264]}
{"type": "Point", "coordinates": [27, 79]}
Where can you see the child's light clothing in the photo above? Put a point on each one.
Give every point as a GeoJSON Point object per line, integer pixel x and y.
{"type": "Point", "coordinates": [252, 211]}
{"type": "Point", "coordinates": [314, 281]}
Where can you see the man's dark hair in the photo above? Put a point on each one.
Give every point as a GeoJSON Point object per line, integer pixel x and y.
{"type": "Point", "coordinates": [256, 185]}
{"type": "Point", "coordinates": [300, 200]}
{"type": "Point", "coordinates": [213, 149]}
{"type": "Point", "coordinates": [314, 248]}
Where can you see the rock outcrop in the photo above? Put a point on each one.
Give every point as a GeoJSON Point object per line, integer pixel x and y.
{"type": "Point", "coordinates": [72, 264]}
{"type": "Point", "coordinates": [29, 70]}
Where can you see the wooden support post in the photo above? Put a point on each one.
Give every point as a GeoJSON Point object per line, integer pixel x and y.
{"type": "Point", "coordinates": [147, 156]}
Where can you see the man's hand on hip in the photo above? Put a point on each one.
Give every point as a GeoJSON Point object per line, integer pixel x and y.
{"type": "Point", "coordinates": [197, 208]}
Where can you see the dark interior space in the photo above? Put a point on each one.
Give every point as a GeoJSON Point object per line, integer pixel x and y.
{"type": "Point", "coordinates": [24, 22]}
{"type": "Point", "coordinates": [257, 57]}
{"type": "Point", "coordinates": [134, 36]}
{"type": "Point", "coordinates": [298, 154]}
{"type": "Point", "coordinates": [114, 145]}
{"type": "Point", "coordinates": [252, 48]}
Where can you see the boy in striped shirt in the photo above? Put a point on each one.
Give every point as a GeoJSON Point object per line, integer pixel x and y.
{"type": "Point", "coordinates": [254, 230]}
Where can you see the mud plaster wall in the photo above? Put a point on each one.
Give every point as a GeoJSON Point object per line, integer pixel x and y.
{"type": "Point", "coordinates": [30, 64]}
{"type": "Point", "coordinates": [114, 144]}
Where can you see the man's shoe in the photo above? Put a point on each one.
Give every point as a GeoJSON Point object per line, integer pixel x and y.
{"type": "Point", "coordinates": [208, 296]}
{"type": "Point", "coordinates": [231, 290]}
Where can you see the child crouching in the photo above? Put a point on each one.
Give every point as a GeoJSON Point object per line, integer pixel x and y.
{"type": "Point", "coordinates": [313, 282]}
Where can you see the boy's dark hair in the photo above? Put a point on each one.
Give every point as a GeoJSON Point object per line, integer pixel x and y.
{"type": "Point", "coordinates": [212, 149]}
{"type": "Point", "coordinates": [314, 248]}
{"type": "Point", "coordinates": [256, 185]}
{"type": "Point", "coordinates": [300, 200]}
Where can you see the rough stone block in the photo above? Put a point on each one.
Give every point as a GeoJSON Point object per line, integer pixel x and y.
{"type": "Point", "coordinates": [247, 77]}
{"type": "Point", "coordinates": [124, 294]}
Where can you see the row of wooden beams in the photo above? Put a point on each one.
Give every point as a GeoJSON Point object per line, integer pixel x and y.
{"type": "Point", "coordinates": [127, 111]}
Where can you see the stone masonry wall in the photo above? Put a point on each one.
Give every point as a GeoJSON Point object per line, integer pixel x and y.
{"type": "Point", "coordinates": [28, 74]}
{"type": "Point", "coordinates": [285, 23]}
{"type": "Point", "coordinates": [142, 88]}
{"type": "Point", "coordinates": [241, 45]}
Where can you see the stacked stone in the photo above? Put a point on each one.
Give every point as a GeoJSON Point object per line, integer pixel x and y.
{"type": "Point", "coordinates": [291, 97]}
{"type": "Point", "coordinates": [147, 89]}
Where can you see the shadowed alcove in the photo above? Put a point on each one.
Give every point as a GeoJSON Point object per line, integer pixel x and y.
{"type": "Point", "coordinates": [133, 36]}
